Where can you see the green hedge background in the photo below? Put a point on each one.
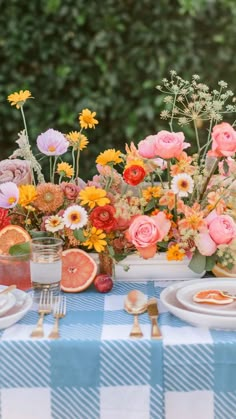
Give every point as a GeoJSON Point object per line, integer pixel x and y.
{"type": "Point", "coordinates": [106, 55]}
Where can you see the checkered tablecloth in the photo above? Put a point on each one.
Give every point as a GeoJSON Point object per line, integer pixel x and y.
{"type": "Point", "coordinates": [95, 371]}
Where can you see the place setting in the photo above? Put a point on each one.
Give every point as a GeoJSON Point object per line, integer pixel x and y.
{"type": "Point", "coordinates": [14, 304]}
{"type": "Point", "coordinates": [210, 302]}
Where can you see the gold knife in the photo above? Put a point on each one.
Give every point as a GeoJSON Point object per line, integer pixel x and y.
{"type": "Point", "coordinates": [153, 314]}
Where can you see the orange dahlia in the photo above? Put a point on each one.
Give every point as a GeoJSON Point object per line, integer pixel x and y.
{"type": "Point", "coordinates": [49, 197]}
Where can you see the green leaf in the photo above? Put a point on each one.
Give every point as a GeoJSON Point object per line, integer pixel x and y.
{"type": "Point", "coordinates": [210, 262]}
{"type": "Point", "coordinates": [198, 263]}
{"type": "Point", "coordinates": [79, 235]}
{"type": "Point", "coordinates": [20, 249]}
{"type": "Point", "coordinates": [150, 205]}
{"type": "Point", "coordinates": [225, 166]}
{"type": "Point", "coordinates": [35, 234]}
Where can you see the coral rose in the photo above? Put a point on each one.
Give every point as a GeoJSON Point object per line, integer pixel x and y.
{"type": "Point", "coordinates": [170, 144]}
{"type": "Point", "coordinates": [144, 232]}
{"type": "Point", "coordinates": [224, 140]}
{"type": "Point", "coordinates": [103, 218]}
{"type": "Point", "coordinates": [222, 229]}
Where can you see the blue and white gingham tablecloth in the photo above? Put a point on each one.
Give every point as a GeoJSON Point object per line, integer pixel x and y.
{"type": "Point", "coordinates": [95, 371]}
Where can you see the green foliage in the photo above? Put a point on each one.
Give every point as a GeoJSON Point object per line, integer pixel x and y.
{"type": "Point", "coordinates": [107, 56]}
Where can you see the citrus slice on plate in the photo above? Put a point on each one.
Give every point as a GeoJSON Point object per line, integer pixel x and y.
{"type": "Point", "coordinates": [11, 235]}
{"type": "Point", "coordinates": [78, 270]}
{"type": "Point", "coordinates": [212, 297]}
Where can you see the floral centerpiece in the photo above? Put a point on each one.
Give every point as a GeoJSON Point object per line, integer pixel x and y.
{"type": "Point", "coordinates": [163, 194]}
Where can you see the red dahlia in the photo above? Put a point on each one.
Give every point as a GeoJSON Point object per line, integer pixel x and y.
{"type": "Point", "coordinates": [104, 218]}
{"type": "Point", "coordinates": [134, 175]}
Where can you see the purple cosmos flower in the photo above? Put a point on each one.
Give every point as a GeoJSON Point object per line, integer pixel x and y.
{"type": "Point", "coordinates": [52, 143]}
{"type": "Point", "coordinates": [9, 195]}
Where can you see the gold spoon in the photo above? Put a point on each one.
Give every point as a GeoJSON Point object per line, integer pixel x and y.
{"type": "Point", "coordinates": [135, 303]}
{"type": "Point", "coordinates": [8, 289]}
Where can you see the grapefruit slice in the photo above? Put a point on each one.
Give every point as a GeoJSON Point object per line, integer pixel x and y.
{"type": "Point", "coordinates": [78, 270]}
{"type": "Point", "coordinates": [11, 235]}
{"type": "Point", "coordinates": [220, 271]}
{"type": "Point", "coordinates": [212, 297]}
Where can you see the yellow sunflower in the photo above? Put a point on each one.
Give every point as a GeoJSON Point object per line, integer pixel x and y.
{"type": "Point", "coordinates": [19, 98]}
{"type": "Point", "coordinates": [87, 120]}
{"type": "Point", "coordinates": [92, 196]}
{"type": "Point", "coordinates": [110, 156]}
{"type": "Point", "coordinates": [95, 240]}
{"type": "Point", "coordinates": [77, 140]}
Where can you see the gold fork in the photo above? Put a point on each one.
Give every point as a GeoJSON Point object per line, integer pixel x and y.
{"type": "Point", "coordinates": [59, 311]}
{"type": "Point", "coordinates": [45, 307]}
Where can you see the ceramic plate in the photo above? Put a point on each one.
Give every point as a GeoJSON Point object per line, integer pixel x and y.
{"type": "Point", "coordinates": [23, 302]}
{"type": "Point", "coordinates": [168, 298]}
{"type": "Point", "coordinates": [186, 293]}
{"type": "Point", "coordinates": [7, 301]}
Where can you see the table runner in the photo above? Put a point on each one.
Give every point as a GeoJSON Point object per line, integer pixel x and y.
{"type": "Point", "coordinates": [96, 371]}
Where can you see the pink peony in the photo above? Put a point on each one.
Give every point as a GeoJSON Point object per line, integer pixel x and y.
{"type": "Point", "coordinates": [170, 144]}
{"type": "Point", "coordinates": [205, 244]}
{"type": "Point", "coordinates": [222, 229]}
{"type": "Point", "coordinates": [224, 140]}
{"type": "Point", "coordinates": [144, 232]}
{"type": "Point", "coordinates": [52, 143]}
{"type": "Point", "coordinates": [147, 148]}
{"type": "Point", "coordinates": [15, 170]}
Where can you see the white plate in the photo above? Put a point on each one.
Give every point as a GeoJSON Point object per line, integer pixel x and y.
{"type": "Point", "coordinates": [7, 301]}
{"type": "Point", "coordinates": [168, 298]}
{"type": "Point", "coordinates": [23, 302]}
{"type": "Point", "coordinates": [185, 296]}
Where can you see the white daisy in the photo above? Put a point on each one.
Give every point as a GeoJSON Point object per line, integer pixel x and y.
{"type": "Point", "coordinates": [54, 223]}
{"type": "Point", "coordinates": [182, 184]}
{"type": "Point", "coordinates": [75, 217]}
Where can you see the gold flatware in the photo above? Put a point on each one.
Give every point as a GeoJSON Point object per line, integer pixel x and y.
{"type": "Point", "coordinates": [153, 314]}
{"type": "Point", "coordinates": [59, 311]}
{"type": "Point", "coordinates": [45, 307]}
{"type": "Point", "coordinates": [135, 303]}
{"type": "Point", "coordinates": [8, 289]}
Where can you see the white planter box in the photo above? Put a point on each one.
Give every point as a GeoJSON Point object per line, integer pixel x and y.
{"type": "Point", "coordinates": [156, 268]}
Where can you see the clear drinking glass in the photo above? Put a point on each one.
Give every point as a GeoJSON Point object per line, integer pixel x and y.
{"type": "Point", "coordinates": [46, 263]}
{"type": "Point", "coordinates": [15, 270]}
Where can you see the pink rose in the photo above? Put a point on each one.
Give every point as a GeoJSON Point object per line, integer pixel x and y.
{"type": "Point", "coordinates": [147, 148]}
{"type": "Point", "coordinates": [170, 144]}
{"type": "Point", "coordinates": [205, 244]}
{"type": "Point", "coordinates": [144, 232]}
{"type": "Point", "coordinates": [15, 170]}
{"type": "Point", "coordinates": [224, 140]}
{"type": "Point", "coordinates": [222, 229]}
{"type": "Point", "coordinates": [70, 190]}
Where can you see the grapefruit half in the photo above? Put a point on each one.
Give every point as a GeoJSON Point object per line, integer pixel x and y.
{"type": "Point", "coordinates": [212, 297]}
{"type": "Point", "coordinates": [78, 270]}
{"type": "Point", "coordinates": [11, 235]}
{"type": "Point", "coordinates": [220, 271]}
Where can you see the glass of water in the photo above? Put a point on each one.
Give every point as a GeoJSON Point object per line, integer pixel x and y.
{"type": "Point", "coordinates": [46, 263]}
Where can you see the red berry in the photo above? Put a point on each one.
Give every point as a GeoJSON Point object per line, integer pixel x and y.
{"type": "Point", "coordinates": [103, 283]}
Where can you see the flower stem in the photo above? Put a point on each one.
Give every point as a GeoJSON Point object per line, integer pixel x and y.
{"type": "Point", "coordinates": [77, 167]}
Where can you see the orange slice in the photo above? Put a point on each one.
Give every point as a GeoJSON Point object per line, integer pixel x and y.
{"type": "Point", "coordinates": [78, 270]}
{"type": "Point", "coordinates": [11, 235]}
{"type": "Point", "coordinates": [212, 297]}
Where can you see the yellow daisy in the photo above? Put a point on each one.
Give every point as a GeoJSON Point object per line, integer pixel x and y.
{"type": "Point", "coordinates": [92, 196]}
{"type": "Point", "coordinates": [175, 253]}
{"type": "Point", "coordinates": [95, 240]}
{"type": "Point", "coordinates": [77, 140]}
{"type": "Point", "coordinates": [87, 120]}
{"type": "Point", "coordinates": [134, 162]}
{"type": "Point", "coordinates": [27, 195]}
{"type": "Point", "coordinates": [19, 98]}
{"type": "Point", "coordinates": [65, 169]}
{"type": "Point", "coordinates": [110, 156]}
